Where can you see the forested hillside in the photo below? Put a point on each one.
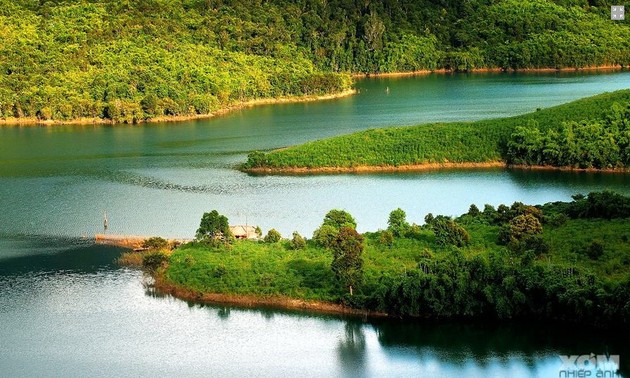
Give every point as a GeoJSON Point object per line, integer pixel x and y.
{"type": "Point", "coordinates": [131, 60]}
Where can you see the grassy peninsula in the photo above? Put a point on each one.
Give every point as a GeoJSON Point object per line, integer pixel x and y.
{"type": "Point", "coordinates": [133, 61]}
{"type": "Point", "coordinates": [565, 261]}
{"type": "Point", "coordinates": [590, 133]}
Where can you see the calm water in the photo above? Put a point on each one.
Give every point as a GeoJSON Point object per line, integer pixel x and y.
{"type": "Point", "coordinates": [65, 309]}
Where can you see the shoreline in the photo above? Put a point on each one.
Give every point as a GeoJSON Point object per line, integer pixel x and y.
{"type": "Point", "coordinates": [31, 121]}
{"type": "Point", "coordinates": [257, 302]}
{"type": "Point", "coordinates": [444, 71]}
{"type": "Point", "coordinates": [423, 167]}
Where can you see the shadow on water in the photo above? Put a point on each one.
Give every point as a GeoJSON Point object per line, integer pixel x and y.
{"type": "Point", "coordinates": [484, 343]}
{"type": "Point", "coordinates": [581, 181]}
{"type": "Point", "coordinates": [45, 254]}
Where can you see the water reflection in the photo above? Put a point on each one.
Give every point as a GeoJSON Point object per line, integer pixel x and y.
{"type": "Point", "coordinates": [351, 349]}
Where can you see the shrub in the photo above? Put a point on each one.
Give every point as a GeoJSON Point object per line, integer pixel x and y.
{"type": "Point", "coordinates": [386, 238]}
{"type": "Point", "coordinates": [154, 260]}
{"type": "Point", "coordinates": [595, 250]}
{"type": "Point", "coordinates": [155, 242]}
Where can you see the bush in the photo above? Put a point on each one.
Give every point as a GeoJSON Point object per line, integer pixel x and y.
{"type": "Point", "coordinates": [273, 236]}
{"type": "Point", "coordinates": [155, 242]}
{"type": "Point", "coordinates": [154, 260]}
{"type": "Point", "coordinates": [298, 242]}
{"type": "Point", "coordinates": [595, 250]}
{"type": "Point", "coordinates": [386, 238]}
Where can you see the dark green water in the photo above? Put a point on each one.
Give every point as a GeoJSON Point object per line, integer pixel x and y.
{"type": "Point", "coordinates": [66, 310]}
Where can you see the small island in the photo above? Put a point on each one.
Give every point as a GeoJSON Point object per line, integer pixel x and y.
{"type": "Point", "coordinates": [587, 134]}
{"type": "Point", "coordinates": [561, 261]}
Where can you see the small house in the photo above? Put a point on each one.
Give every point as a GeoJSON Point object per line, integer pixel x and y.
{"type": "Point", "coordinates": [244, 232]}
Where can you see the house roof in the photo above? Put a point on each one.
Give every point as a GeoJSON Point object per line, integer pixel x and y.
{"type": "Point", "coordinates": [249, 231]}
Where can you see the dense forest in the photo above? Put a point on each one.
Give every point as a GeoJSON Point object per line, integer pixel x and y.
{"type": "Point", "coordinates": [566, 261]}
{"type": "Point", "coordinates": [593, 132]}
{"type": "Point", "coordinates": [127, 61]}
{"type": "Point", "coordinates": [598, 143]}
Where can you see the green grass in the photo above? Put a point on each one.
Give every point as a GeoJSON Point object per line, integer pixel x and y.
{"type": "Point", "coordinates": [457, 142]}
{"type": "Point", "coordinates": [569, 244]}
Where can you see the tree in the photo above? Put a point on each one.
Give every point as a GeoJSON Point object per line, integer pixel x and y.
{"type": "Point", "coordinates": [298, 242]}
{"type": "Point", "coordinates": [448, 232]}
{"type": "Point", "coordinates": [273, 236]}
{"type": "Point", "coordinates": [347, 264]}
{"type": "Point", "coordinates": [518, 232]}
{"type": "Point", "coordinates": [325, 236]}
{"type": "Point", "coordinates": [473, 210]}
{"type": "Point", "coordinates": [213, 227]}
{"type": "Point", "coordinates": [397, 222]}
{"type": "Point", "coordinates": [339, 218]}
{"type": "Point", "coordinates": [386, 238]}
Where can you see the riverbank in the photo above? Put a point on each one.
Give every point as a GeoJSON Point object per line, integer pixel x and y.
{"type": "Point", "coordinates": [488, 70]}
{"type": "Point", "coordinates": [486, 143]}
{"type": "Point", "coordinates": [255, 301]}
{"type": "Point", "coordinates": [19, 122]}
{"type": "Point", "coordinates": [423, 167]}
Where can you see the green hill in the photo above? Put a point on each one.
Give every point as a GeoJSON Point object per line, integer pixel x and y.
{"type": "Point", "coordinates": [127, 61]}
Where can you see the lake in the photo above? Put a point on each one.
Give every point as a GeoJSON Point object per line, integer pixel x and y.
{"type": "Point", "coordinates": [65, 309]}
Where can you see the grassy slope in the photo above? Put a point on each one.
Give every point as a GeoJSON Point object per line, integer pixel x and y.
{"type": "Point", "coordinates": [459, 142]}
{"type": "Point", "coordinates": [272, 269]}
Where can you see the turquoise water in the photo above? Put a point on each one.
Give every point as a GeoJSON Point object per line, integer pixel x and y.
{"type": "Point", "coordinates": [66, 310]}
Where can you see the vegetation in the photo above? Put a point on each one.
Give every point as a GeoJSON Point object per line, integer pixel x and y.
{"type": "Point", "coordinates": [127, 61]}
{"type": "Point", "coordinates": [153, 260]}
{"type": "Point", "coordinates": [155, 242]}
{"type": "Point", "coordinates": [298, 241]}
{"type": "Point", "coordinates": [597, 143]}
{"type": "Point", "coordinates": [214, 228]}
{"type": "Point", "coordinates": [273, 236]}
{"type": "Point", "coordinates": [577, 271]}
{"type": "Point", "coordinates": [526, 139]}
{"type": "Point", "coordinates": [334, 220]}
{"type": "Point", "coordinates": [347, 263]}
{"type": "Point", "coordinates": [397, 223]}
